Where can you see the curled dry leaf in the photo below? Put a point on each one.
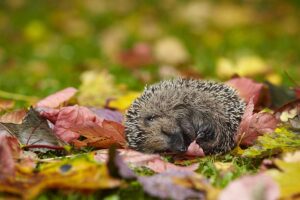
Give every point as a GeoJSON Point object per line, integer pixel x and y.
{"type": "Point", "coordinates": [254, 125]}
{"type": "Point", "coordinates": [57, 99]}
{"type": "Point", "coordinates": [34, 132]}
{"type": "Point", "coordinates": [259, 186]}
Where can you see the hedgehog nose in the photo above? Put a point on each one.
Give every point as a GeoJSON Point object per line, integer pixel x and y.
{"type": "Point", "coordinates": [182, 149]}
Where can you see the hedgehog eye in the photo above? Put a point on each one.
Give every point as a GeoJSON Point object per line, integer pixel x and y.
{"type": "Point", "coordinates": [150, 118]}
{"type": "Point", "coordinates": [179, 107]}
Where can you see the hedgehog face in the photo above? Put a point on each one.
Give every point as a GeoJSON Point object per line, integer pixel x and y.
{"type": "Point", "coordinates": [159, 127]}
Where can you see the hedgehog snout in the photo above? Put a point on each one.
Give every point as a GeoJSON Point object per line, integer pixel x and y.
{"type": "Point", "coordinates": [177, 143]}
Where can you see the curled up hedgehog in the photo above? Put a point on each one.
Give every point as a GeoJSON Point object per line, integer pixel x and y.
{"type": "Point", "coordinates": [171, 114]}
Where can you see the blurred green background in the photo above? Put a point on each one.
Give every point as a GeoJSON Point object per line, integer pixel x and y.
{"type": "Point", "coordinates": [47, 45]}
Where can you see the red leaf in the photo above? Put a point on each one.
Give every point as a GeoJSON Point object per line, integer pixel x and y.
{"type": "Point", "coordinates": [73, 121]}
{"type": "Point", "coordinates": [48, 113]}
{"type": "Point", "coordinates": [195, 150]}
{"type": "Point", "coordinates": [58, 98]}
{"type": "Point", "coordinates": [247, 88]}
{"type": "Point", "coordinates": [14, 117]}
{"type": "Point", "coordinates": [69, 117]}
{"type": "Point", "coordinates": [254, 125]}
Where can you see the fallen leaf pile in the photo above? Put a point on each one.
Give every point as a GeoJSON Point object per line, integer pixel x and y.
{"type": "Point", "coordinates": [59, 124]}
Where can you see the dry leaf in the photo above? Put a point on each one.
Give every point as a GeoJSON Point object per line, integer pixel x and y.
{"type": "Point", "coordinates": [15, 117]}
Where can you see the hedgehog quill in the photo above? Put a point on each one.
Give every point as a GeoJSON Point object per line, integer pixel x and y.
{"type": "Point", "coordinates": [171, 114]}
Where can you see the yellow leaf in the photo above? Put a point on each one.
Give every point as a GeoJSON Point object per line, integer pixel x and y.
{"type": "Point", "coordinates": [81, 174]}
{"type": "Point", "coordinates": [243, 66]}
{"type": "Point", "coordinates": [125, 101]}
{"type": "Point", "coordinates": [274, 78]}
{"type": "Point", "coordinates": [287, 178]}
{"type": "Point", "coordinates": [96, 88]}
{"type": "Point", "coordinates": [223, 166]}
{"type": "Point", "coordinates": [225, 68]}
{"type": "Point", "coordinates": [251, 65]}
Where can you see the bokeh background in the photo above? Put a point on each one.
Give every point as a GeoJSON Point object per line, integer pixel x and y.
{"type": "Point", "coordinates": [48, 45]}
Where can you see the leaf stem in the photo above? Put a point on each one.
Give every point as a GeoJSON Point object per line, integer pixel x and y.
{"type": "Point", "coordinates": [18, 97]}
{"type": "Point", "coordinates": [43, 146]}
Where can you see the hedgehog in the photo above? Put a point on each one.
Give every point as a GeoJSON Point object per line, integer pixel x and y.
{"type": "Point", "coordinates": [171, 114]}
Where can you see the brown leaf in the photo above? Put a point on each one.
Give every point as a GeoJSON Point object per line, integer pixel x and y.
{"type": "Point", "coordinates": [57, 99]}
{"type": "Point", "coordinates": [103, 136]}
{"type": "Point", "coordinates": [9, 147]}
{"type": "Point", "coordinates": [6, 104]}
{"type": "Point", "coordinates": [15, 117]}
